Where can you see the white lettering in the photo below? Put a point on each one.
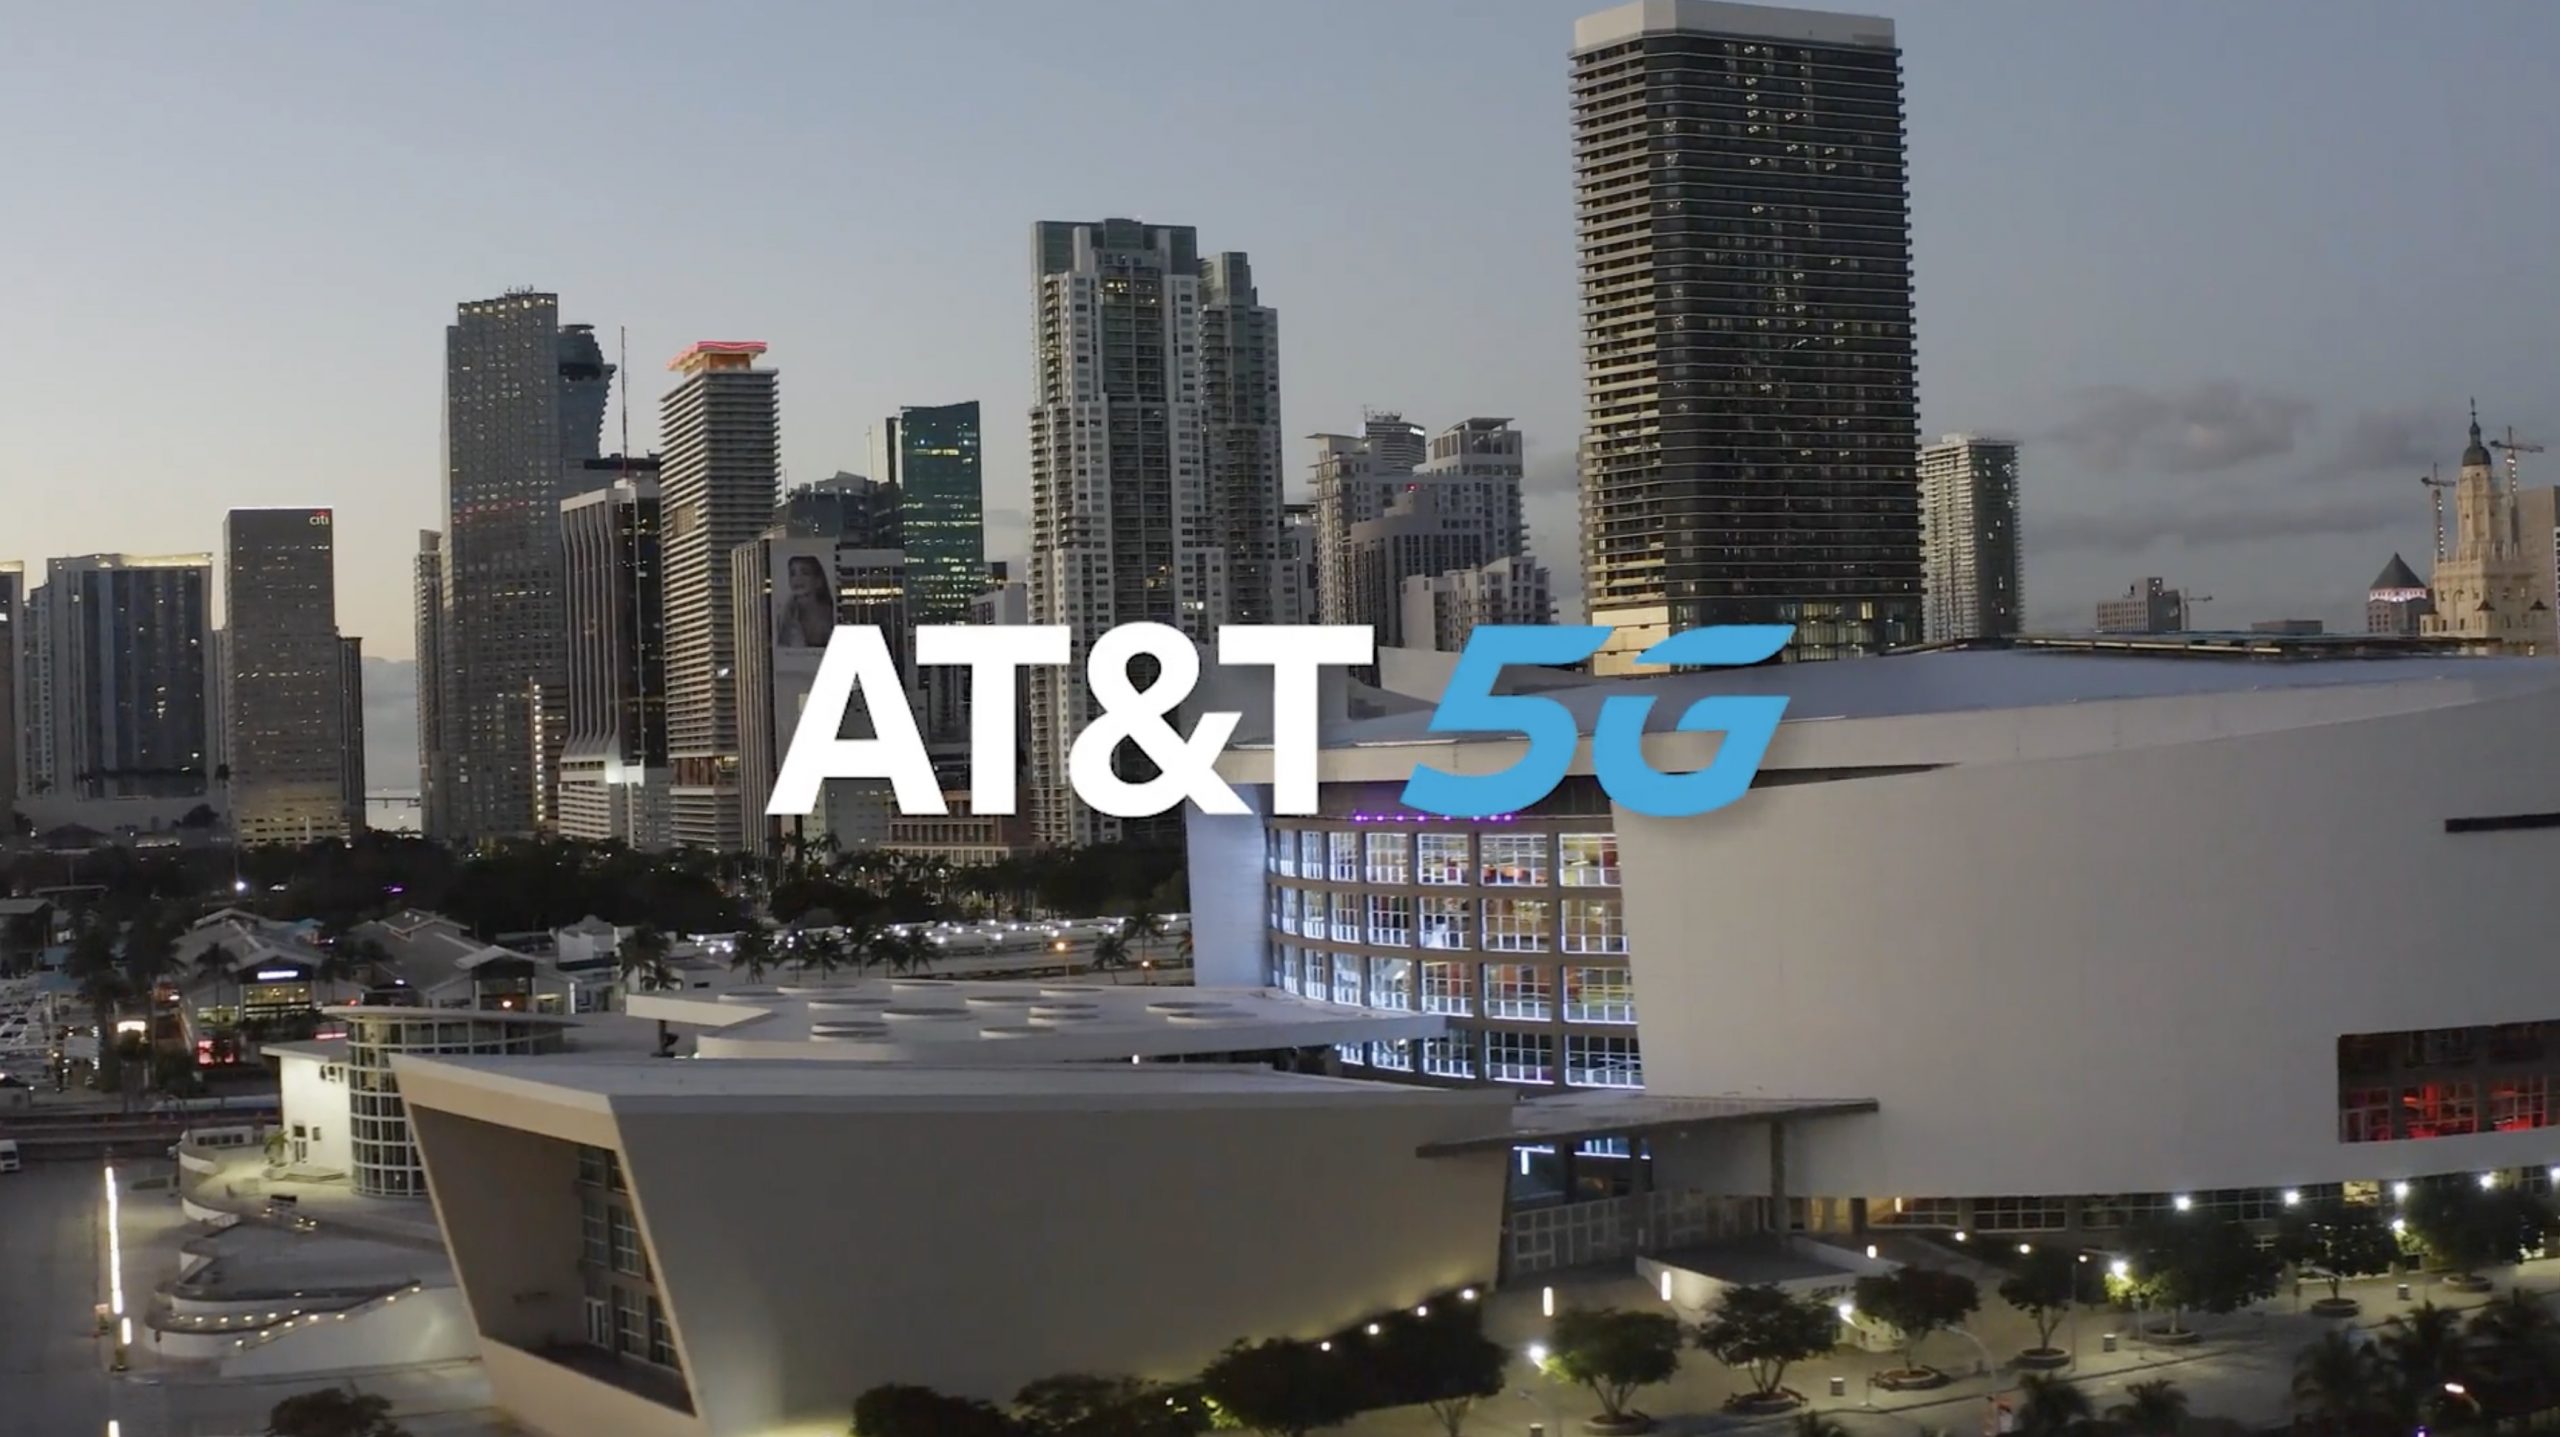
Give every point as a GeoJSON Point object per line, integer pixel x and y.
{"type": "Point", "coordinates": [1185, 767]}
{"type": "Point", "coordinates": [992, 653]}
{"type": "Point", "coordinates": [1295, 652]}
{"type": "Point", "coordinates": [857, 657]}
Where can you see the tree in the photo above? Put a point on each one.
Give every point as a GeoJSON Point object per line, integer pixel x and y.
{"type": "Point", "coordinates": [2467, 1228]}
{"type": "Point", "coordinates": [896, 1410]}
{"type": "Point", "coordinates": [642, 960]}
{"type": "Point", "coordinates": [1140, 930]}
{"type": "Point", "coordinates": [2516, 1348]}
{"type": "Point", "coordinates": [333, 1412]}
{"type": "Point", "coordinates": [2421, 1352]}
{"type": "Point", "coordinates": [1111, 954]}
{"type": "Point", "coordinates": [2043, 1288]}
{"type": "Point", "coordinates": [2182, 1263]}
{"type": "Point", "coordinates": [1917, 1301]}
{"type": "Point", "coordinates": [2338, 1384]}
{"type": "Point", "coordinates": [1614, 1353]}
{"type": "Point", "coordinates": [2337, 1241]}
{"type": "Point", "coordinates": [1083, 1405]}
{"type": "Point", "coordinates": [1762, 1329]}
{"type": "Point", "coordinates": [2050, 1407]}
{"type": "Point", "coordinates": [1442, 1360]}
{"type": "Point", "coordinates": [818, 950]}
{"type": "Point", "coordinates": [2151, 1409]}
{"type": "Point", "coordinates": [752, 951]}
{"type": "Point", "coordinates": [1281, 1388]}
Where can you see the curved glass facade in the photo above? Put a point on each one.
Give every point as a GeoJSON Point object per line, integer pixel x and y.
{"type": "Point", "coordinates": [386, 1154]}
{"type": "Point", "coordinates": [1512, 926]}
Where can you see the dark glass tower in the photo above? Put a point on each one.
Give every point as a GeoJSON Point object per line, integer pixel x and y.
{"type": "Point", "coordinates": [942, 521]}
{"type": "Point", "coordinates": [1751, 429]}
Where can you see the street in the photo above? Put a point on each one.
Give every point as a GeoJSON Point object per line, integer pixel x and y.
{"type": "Point", "coordinates": [52, 1366]}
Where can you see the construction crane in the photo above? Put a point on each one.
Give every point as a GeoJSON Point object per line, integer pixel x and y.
{"type": "Point", "coordinates": [2513, 447]}
{"type": "Point", "coordinates": [2435, 499]}
{"type": "Point", "coordinates": [2187, 610]}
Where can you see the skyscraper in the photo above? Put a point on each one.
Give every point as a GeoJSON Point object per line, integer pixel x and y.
{"type": "Point", "coordinates": [849, 508]}
{"type": "Point", "coordinates": [1392, 505]}
{"type": "Point", "coordinates": [524, 408]}
{"type": "Point", "coordinates": [721, 432]}
{"type": "Point", "coordinates": [1240, 409]}
{"type": "Point", "coordinates": [613, 763]}
{"type": "Point", "coordinates": [1296, 590]}
{"type": "Point", "coordinates": [351, 765]}
{"type": "Point", "coordinates": [1356, 475]}
{"type": "Point", "coordinates": [1121, 523]}
{"type": "Point", "coordinates": [1749, 389]}
{"type": "Point", "coordinates": [1969, 537]}
{"type": "Point", "coordinates": [131, 695]}
{"type": "Point", "coordinates": [941, 507]}
{"type": "Point", "coordinates": [13, 692]}
{"type": "Point", "coordinates": [1442, 610]}
{"type": "Point", "coordinates": [283, 676]}
{"type": "Point", "coordinates": [426, 592]}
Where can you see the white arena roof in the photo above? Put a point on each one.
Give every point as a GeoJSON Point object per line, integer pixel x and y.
{"type": "Point", "coordinates": [1010, 1023]}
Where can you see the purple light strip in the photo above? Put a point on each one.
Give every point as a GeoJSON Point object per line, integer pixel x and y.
{"type": "Point", "coordinates": [1431, 818]}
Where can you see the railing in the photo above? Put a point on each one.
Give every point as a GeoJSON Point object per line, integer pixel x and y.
{"type": "Point", "coordinates": [270, 1334]}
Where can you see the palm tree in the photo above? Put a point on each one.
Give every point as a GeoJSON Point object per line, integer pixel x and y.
{"type": "Point", "coordinates": [1183, 953]}
{"type": "Point", "coordinates": [641, 962]}
{"type": "Point", "coordinates": [818, 950]}
{"type": "Point", "coordinates": [2421, 1353]}
{"type": "Point", "coordinates": [1111, 954]}
{"type": "Point", "coordinates": [216, 965]}
{"type": "Point", "coordinates": [2051, 1407]}
{"type": "Point", "coordinates": [2516, 1342]}
{"type": "Point", "coordinates": [104, 989]}
{"type": "Point", "coordinates": [2151, 1409]}
{"type": "Point", "coordinates": [2338, 1383]}
{"type": "Point", "coordinates": [1142, 928]}
{"type": "Point", "coordinates": [752, 953]}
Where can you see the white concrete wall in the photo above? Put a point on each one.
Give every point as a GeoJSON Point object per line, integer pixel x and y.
{"type": "Point", "coordinates": [432, 1325]}
{"type": "Point", "coordinates": [321, 1107]}
{"type": "Point", "coordinates": [1225, 864]}
{"type": "Point", "coordinates": [2117, 971]}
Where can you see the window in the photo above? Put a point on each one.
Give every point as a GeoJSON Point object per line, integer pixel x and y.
{"type": "Point", "coordinates": [627, 1257]}
{"type": "Point", "coordinates": [1345, 915]}
{"type": "Point", "coordinates": [600, 1323]}
{"type": "Point", "coordinates": [1590, 860]}
{"type": "Point", "coordinates": [1594, 925]}
{"type": "Point", "coordinates": [2439, 1110]}
{"type": "Point", "coordinates": [2364, 1115]}
{"type": "Point", "coordinates": [2516, 1103]}
{"type": "Point", "coordinates": [1319, 978]}
{"type": "Point", "coordinates": [1391, 983]}
{"type": "Point", "coordinates": [1346, 978]}
{"type": "Point", "coordinates": [1453, 1056]}
{"type": "Point", "coordinates": [1310, 854]}
{"type": "Point", "coordinates": [1515, 990]}
{"type": "Point", "coordinates": [595, 1245]}
{"type": "Point", "coordinates": [1390, 858]}
{"type": "Point", "coordinates": [1602, 1062]}
{"type": "Point", "coordinates": [1355, 1055]}
{"type": "Point", "coordinates": [635, 1322]}
{"type": "Point", "coordinates": [1515, 859]}
{"type": "Point", "coordinates": [1519, 1058]}
{"type": "Point", "coordinates": [2019, 1214]}
{"type": "Point", "coordinates": [1518, 925]}
{"type": "Point", "coordinates": [1390, 920]}
{"type": "Point", "coordinates": [1444, 923]}
{"type": "Point", "coordinates": [1346, 856]}
{"type": "Point", "coordinates": [1284, 852]}
{"type": "Point", "coordinates": [662, 1340]}
{"type": "Point", "coordinates": [1289, 969]}
{"type": "Point", "coordinates": [1289, 910]}
{"type": "Point", "coordinates": [1449, 988]}
{"type": "Point", "coordinates": [1395, 1057]}
{"type": "Point", "coordinates": [1441, 858]}
{"type": "Point", "coordinates": [1599, 995]}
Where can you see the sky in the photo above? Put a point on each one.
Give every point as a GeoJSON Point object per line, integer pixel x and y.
{"type": "Point", "coordinates": [2229, 272]}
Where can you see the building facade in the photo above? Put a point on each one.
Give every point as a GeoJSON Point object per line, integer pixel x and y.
{"type": "Point", "coordinates": [524, 409]}
{"type": "Point", "coordinates": [2397, 601]}
{"type": "Point", "coordinates": [1441, 610]}
{"type": "Point", "coordinates": [426, 591]}
{"type": "Point", "coordinates": [385, 1155]}
{"type": "Point", "coordinates": [940, 507]}
{"type": "Point", "coordinates": [2496, 582]}
{"type": "Point", "coordinates": [13, 688]}
{"type": "Point", "coordinates": [721, 432]}
{"type": "Point", "coordinates": [351, 760]}
{"type": "Point", "coordinates": [1240, 409]}
{"type": "Point", "coordinates": [283, 677]}
{"type": "Point", "coordinates": [1750, 387]}
{"type": "Point", "coordinates": [1121, 518]}
{"type": "Point", "coordinates": [1456, 495]}
{"type": "Point", "coordinates": [1972, 561]}
{"type": "Point", "coordinates": [2149, 607]}
{"type": "Point", "coordinates": [1294, 600]}
{"type": "Point", "coordinates": [127, 650]}
{"type": "Point", "coordinates": [613, 763]}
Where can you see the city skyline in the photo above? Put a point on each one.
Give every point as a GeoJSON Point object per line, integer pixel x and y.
{"type": "Point", "coordinates": [2205, 393]}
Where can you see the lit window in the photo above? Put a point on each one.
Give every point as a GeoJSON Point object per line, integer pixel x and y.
{"type": "Point", "coordinates": [1346, 916]}
{"type": "Point", "coordinates": [1514, 859]}
{"type": "Point", "coordinates": [1319, 976]}
{"type": "Point", "coordinates": [1441, 859]}
{"type": "Point", "coordinates": [1594, 925]}
{"type": "Point", "coordinates": [1590, 860]}
{"type": "Point", "coordinates": [1284, 852]}
{"type": "Point", "coordinates": [1310, 854]}
{"type": "Point", "coordinates": [1518, 925]}
{"type": "Point", "coordinates": [1390, 920]}
{"type": "Point", "coordinates": [1391, 983]}
{"type": "Point", "coordinates": [1449, 988]}
{"type": "Point", "coordinates": [1444, 923]}
{"type": "Point", "coordinates": [1346, 978]}
{"type": "Point", "coordinates": [1599, 995]}
{"type": "Point", "coordinates": [1345, 848]}
{"type": "Point", "coordinates": [1389, 857]}
{"type": "Point", "coordinates": [1516, 990]}
{"type": "Point", "coordinates": [1592, 1061]}
{"type": "Point", "coordinates": [1519, 1057]}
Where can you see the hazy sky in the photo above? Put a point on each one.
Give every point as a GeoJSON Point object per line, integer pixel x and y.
{"type": "Point", "coordinates": [2229, 270]}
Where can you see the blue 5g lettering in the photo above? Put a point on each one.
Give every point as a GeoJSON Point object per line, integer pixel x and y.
{"type": "Point", "coordinates": [1747, 721]}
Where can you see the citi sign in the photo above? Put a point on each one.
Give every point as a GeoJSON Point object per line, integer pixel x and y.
{"type": "Point", "coordinates": [857, 661]}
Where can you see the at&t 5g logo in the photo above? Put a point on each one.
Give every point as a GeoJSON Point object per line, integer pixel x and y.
{"type": "Point", "coordinates": [857, 661]}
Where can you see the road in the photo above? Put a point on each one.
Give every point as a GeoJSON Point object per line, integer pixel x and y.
{"type": "Point", "coordinates": [52, 1267]}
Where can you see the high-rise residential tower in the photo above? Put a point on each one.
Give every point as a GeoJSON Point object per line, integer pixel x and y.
{"type": "Point", "coordinates": [283, 676]}
{"type": "Point", "coordinates": [720, 431]}
{"type": "Point", "coordinates": [1969, 538]}
{"type": "Point", "coordinates": [1121, 523]}
{"type": "Point", "coordinates": [1240, 412]}
{"type": "Point", "coordinates": [613, 763]}
{"type": "Point", "coordinates": [127, 644]}
{"type": "Point", "coordinates": [524, 409]}
{"type": "Point", "coordinates": [426, 592]}
{"type": "Point", "coordinates": [13, 688]}
{"type": "Point", "coordinates": [351, 765]}
{"type": "Point", "coordinates": [1750, 427]}
{"type": "Point", "coordinates": [1392, 505]}
{"type": "Point", "coordinates": [1356, 475]}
